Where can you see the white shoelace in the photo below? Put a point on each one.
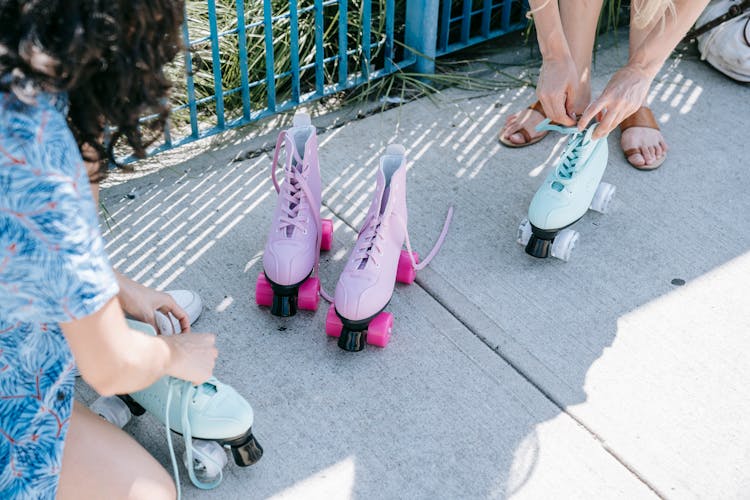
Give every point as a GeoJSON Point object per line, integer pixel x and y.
{"type": "Point", "coordinates": [187, 390]}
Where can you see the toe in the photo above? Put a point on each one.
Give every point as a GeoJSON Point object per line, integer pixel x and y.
{"type": "Point", "coordinates": [637, 160]}
{"type": "Point", "coordinates": [649, 155]}
{"type": "Point", "coordinates": [517, 138]}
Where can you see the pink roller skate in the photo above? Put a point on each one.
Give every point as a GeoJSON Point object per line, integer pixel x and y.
{"type": "Point", "coordinates": [377, 261]}
{"type": "Point", "coordinates": [298, 234]}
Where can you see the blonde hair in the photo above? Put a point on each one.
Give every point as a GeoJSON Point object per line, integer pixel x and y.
{"type": "Point", "coordinates": [647, 12]}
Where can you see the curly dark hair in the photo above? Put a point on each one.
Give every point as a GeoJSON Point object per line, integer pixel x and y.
{"type": "Point", "coordinates": [108, 55]}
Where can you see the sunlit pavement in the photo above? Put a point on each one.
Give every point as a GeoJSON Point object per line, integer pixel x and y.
{"type": "Point", "coordinates": [620, 374]}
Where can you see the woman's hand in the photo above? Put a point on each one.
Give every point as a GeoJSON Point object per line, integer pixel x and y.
{"type": "Point", "coordinates": [556, 89]}
{"type": "Point", "coordinates": [192, 356]}
{"type": "Point", "coordinates": [140, 302]}
{"type": "Point", "coordinates": [624, 94]}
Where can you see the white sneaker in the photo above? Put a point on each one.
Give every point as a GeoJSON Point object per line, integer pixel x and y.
{"type": "Point", "coordinates": [186, 299]}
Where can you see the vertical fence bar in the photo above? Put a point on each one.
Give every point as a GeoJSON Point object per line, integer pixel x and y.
{"type": "Point", "coordinates": [466, 22]}
{"type": "Point", "coordinates": [486, 17]}
{"type": "Point", "coordinates": [294, 48]}
{"type": "Point", "coordinates": [319, 55]}
{"type": "Point", "coordinates": [390, 14]}
{"type": "Point", "coordinates": [192, 105]}
{"type": "Point", "coordinates": [366, 37]}
{"type": "Point", "coordinates": [445, 25]}
{"type": "Point", "coordinates": [343, 42]}
{"type": "Point", "coordinates": [505, 15]}
{"type": "Point", "coordinates": [421, 32]}
{"type": "Point", "coordinates": [268, 32]}
{"type": "Point", "coordinates": [216, 63]}
{"type": "Point", "coordinates": [242, 41]}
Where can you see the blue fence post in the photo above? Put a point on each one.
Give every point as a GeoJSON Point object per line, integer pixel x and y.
{"type": "Point", "coordinates": [421, 32]}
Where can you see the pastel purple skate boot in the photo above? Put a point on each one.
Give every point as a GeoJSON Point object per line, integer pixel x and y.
{"type": "Point", "coordinates": [298, 234]}
{"type": "Point", "coordinates": [377, 261]}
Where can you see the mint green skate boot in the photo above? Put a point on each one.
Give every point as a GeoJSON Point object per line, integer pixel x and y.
{"type": "Point", "coordinates": [569, 190]}
{"type": "Point", "coordinates": [209, 417]}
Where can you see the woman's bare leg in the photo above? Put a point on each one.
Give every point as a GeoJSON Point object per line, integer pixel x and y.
{"type": "Point", "coordinates": [649, 141]}
{"type": "Point", "coordinates": [579, 19]}
{"type": "Point", "coordinates": [102, 461]}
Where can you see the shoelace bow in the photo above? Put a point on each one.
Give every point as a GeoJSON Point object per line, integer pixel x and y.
{"type": "Point", "coordinates": [372, 235]}
{"type": "Point", "coordinates": [187, 391]}
{"type": "Point", "coordinates": [568, 164]}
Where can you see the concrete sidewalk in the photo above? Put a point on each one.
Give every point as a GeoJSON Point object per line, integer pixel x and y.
{"type": "Point", "coordinates": [507, 377]}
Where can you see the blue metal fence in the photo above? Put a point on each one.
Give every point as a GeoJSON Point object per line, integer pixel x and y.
{"type": "Point", "coordinates": [310, 52]}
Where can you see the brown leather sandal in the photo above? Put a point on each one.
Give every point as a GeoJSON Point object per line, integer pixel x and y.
{"type": "Point", "coordinates": [537, 106]}
{"type": "Point", "coordinates": [641, 118]}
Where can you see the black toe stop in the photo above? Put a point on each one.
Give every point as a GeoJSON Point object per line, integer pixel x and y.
{"type": "Point", "coordinates": [538, 247]}
{"type": "Point", "coordinates": [247, 453]}
{"type": "Point", "coordinates": [284, 305]}
{"type": "Point", "coordinates": [352, 341]}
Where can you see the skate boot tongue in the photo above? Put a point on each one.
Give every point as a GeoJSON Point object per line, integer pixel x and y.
{"type": "Point", "coordinates": [369, 241]}
{"type": "Point", "coordinates": [296, 175]}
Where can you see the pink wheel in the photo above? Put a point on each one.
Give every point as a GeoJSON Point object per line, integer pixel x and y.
{"type": "Point", "coordinates": [309, 294]}
{"type": "Point", "coordinates": [406, 272]}
{"type": "Point", "coordinates": [263, 291]}
{"type": "Point", "coordinates": [326, 236]}
{"type": "Point", "coordinates": [379, 330]}
{"type": "Point", "coordinates": [333, 323]}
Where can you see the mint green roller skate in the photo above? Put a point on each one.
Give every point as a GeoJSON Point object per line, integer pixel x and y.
{"type": "Point", "coordinates": [209, 417]}
{"type": "Point", "coordinates": [569, 190]}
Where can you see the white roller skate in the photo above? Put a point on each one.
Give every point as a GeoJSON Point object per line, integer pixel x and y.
{"type": "Point", "coordinates": [569, 190]}
{"type": "Point", "coordinates": [209, 417]}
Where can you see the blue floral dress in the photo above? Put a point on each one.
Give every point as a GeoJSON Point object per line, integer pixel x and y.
{"type": "Point", "coordinates": [52, 269]}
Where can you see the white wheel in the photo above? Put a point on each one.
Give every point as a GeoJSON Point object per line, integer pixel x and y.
{"type": "Point", "coordinates": [603, 196]}
{"type": "Point", "coordinates": [209, 458]}
{"type": "Point", "coordinates": [113, 410]}
{"type": "Point", "coordinates": [563, 245]}
{"type": "Point", "coordinates": [524, 232]}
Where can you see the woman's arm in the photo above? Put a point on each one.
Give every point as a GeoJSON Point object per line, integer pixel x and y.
{"type": "Point", "coordinates": [627, 89]}
{"type": "Point", "coordinates": [558, 78]}
{"type": "Point", "coordinates": [115, 359]}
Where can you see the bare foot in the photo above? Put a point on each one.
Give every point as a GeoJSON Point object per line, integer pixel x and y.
{"type": "Point", "coordinates": [646, 145]}
{"type": "Point", "coordinates": [525, 120]}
